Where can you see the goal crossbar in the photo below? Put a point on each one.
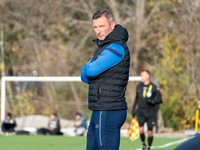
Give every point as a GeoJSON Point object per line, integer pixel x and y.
{"type": "Point", "coordinates": [40, 79]}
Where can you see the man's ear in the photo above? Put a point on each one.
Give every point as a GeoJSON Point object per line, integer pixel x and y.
{"type": "Point", "coordinates": [113, 25]}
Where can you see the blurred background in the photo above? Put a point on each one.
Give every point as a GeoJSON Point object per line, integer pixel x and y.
{"type": "Point", "coordinates": [55, 38]}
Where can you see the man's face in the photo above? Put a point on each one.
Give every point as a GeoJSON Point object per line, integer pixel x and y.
{"type": "Point", "coordinates": [78, 117]}
{"type": "Point", "coordinates": [8, 117]}
{"type": "Point", "coordinates": [52, 117]}
{"type": "Point", "coordinates": [145, 76]}
{"type": "Point", "coordinates": [102, 27]}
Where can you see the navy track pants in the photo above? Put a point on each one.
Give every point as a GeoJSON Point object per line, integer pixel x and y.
{"type": "Point", "coordinates": [104, 130]}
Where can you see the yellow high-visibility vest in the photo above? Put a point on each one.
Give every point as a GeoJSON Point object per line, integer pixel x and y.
{"type": "Point", "coordinates": [145, 91]}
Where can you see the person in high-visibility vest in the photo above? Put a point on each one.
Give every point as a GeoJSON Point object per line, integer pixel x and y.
{"type": "Point", "coordinates": [147, 97]}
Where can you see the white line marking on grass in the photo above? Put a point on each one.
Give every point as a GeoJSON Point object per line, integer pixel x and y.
{"type": "Point", "coordinates": [168, 144]}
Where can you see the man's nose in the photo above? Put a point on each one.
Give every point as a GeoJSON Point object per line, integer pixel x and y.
{"type": "Point", "coordinates": [98, 30]}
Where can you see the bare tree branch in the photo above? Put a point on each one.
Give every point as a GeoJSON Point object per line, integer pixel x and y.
{"type": "Point", "coordinates": [113, 6]}
{"type": "Point", "coordinates": [147, 20]}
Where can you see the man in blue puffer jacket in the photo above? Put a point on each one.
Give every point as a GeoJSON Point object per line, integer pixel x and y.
{"type": "Point", "coordinates": [107, 74]}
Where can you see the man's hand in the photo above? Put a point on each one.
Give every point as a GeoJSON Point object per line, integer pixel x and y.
{"type": "Point", "coordinates": [50, 128]}
{"type": "Point", "coordinates": [133, 115]}
{"type": "Point", "coordinates": [134, 112]}
{"type": "Point", "coordinates": [78, 123]}
{"type": "Point", "coordinates": [150, 101]}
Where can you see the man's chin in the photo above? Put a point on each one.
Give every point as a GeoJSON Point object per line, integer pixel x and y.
{"type": "Point", "coordinates": [101, 38]}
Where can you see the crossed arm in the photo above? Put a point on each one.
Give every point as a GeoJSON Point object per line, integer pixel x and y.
{"type": "Point", "coordinates": [111, 56]}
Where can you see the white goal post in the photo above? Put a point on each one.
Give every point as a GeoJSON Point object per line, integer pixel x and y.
{"type": "Point", "coordinates": [40, 79]}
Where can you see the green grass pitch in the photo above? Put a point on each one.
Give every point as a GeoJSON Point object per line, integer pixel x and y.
{"type": "Point", "coordinates": [68, 143]}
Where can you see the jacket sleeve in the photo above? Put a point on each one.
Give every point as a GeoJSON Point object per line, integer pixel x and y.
{"type": "Point", "coordinates": [2, 125]}
{"type": "Point", "coordinates": [111, 56]}
{"type": "Point", "coordinates": [57, 129]}
{"type": "Point", "coordinates": [83, 122]}
{"type": "Point", "coordinates": [158, 99]}
{"type": "Point", "coordinates": [134, 105]}
{"type": "Point", "coordinates": [15, 124]}
{"type": "Point", "coordinates": [58, 124]}
{"type": "Point", "coordinates": [83, 76]}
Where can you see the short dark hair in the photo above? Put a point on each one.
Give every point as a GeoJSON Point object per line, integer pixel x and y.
{"type": "Point", "coordinates": [78, 113]}
{"type": "Point", "coordinates": [145, 70]}
{"type": "Point", "coordinates": [55, 114]}
{"type": "Point", "coordinates": [103, 12]}
{"type": "Point", "coordinates": [9, 114]}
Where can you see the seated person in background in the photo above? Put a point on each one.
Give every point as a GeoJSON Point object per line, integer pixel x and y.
{"type": "Point", "coordinates": [80, 125]}
{"type": "Point", "coordinates": [53, 126]}
{"type": "Point", "coordinates": [8, 124]}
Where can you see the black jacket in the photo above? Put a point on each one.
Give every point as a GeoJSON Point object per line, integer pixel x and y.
{"type": "Point", "coordinates": [8, 124]}
{"type": "Point", "coordinates": [107, 91]}
{"type": "Point", "coordinates": [145, 102]}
